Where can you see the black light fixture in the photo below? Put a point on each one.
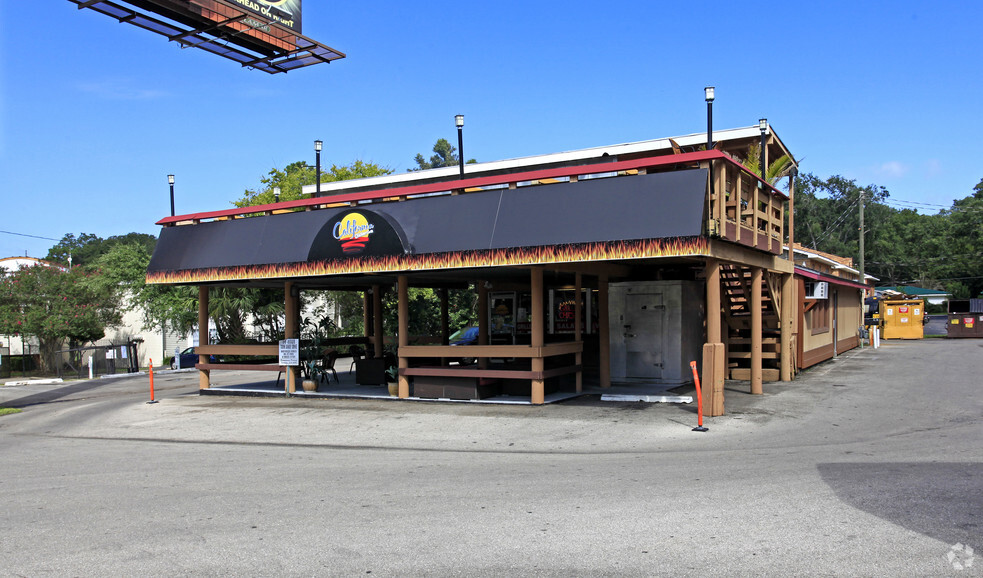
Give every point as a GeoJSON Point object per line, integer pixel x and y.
{"type": "Point", "coordinates": [708, 91]}
{"type": "Point", "coordinates": [276, 194]}
{"type": "Point", "coordinates": [170, 181]}
{"type": "Point", "coordinates": [459, 122]}
{"type": "Point", "coordinates": [763, 126]}
{"type": "Point", "coordinates": [317, 167]}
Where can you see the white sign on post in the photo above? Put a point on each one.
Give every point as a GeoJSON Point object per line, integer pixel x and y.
{"type": "Point", "coordinates": [290, 352]}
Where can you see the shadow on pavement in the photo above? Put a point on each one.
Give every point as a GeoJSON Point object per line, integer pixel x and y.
{"type": "Point", "coordinates": [940, 500]}
{"type": "Point", "coordinates": [53, 394]}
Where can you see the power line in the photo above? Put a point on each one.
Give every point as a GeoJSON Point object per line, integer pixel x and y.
{"type": "Point", "coordinates": [832, 227]}
{"type": "Point", "coordinates": [31, 236]}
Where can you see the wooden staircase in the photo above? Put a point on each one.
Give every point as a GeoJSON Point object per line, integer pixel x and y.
{"type": "Point", "coordinates": [736, 291]}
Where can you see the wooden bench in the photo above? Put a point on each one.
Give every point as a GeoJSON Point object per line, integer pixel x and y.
{"type": "Point", "coordinates": [246, 367]}
{"type": "Point", "coordinates": [472, 382]}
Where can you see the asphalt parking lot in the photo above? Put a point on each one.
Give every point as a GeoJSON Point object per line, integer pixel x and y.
{"type": "Point", "coordinates": [869, 465]}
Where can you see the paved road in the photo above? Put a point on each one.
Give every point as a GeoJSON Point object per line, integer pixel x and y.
{"type": "Point", "coordinates": [870, 465]}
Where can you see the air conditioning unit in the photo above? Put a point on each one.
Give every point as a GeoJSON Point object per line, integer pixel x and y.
{"type": "Point", "coordinates": [817, 290]}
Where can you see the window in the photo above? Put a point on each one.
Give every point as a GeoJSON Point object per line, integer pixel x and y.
{"type": "Point", "coordinates": [820, 316]}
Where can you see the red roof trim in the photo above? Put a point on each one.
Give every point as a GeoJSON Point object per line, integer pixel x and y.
{"type": "Point", "coordinates": [474, 182]}
{"type": "Point", "coordinates": [829, 278]}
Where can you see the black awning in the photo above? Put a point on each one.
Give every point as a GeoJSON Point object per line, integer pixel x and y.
{"type": "Point", "coordinates": [597, 219]}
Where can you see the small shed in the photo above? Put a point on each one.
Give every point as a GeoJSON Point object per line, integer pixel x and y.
{"type": "Point", "coordinates": [903, 318]}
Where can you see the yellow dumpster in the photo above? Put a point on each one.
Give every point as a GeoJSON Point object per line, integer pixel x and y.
{"type": "Point", "coordinates": [903, 318]}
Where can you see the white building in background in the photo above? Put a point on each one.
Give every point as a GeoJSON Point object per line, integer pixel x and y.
{"type": "Point", "coordinates": [155, 344]}
{"type": "Point", "coordinates": [12, 343]}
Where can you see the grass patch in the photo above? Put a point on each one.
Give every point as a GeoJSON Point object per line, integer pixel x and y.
{"type": "Point", "coordinates": [6, 410]}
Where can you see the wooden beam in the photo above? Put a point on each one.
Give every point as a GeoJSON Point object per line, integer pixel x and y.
{"type": "Point", "coordinates": [773, 280]}
{"type": "Point", "coordinates": [714, 373]}
{"type": "Point", "coordinates": [787, 327]}
{"type": "Point", "coordinates": [741, 255]}
{"type": "Point", "coordinates": [403, 296]}
{"type": "Point", "coordinates": [262, 349]}
{"type": "Point", "coordinates": [291, 330]}
{"type": "Point", "coordinates": [578, 327]}
{"type": "Point", "coordinates": [538, 337]}
{"type": "Point", "coordinates": [494, 351]}
{"type": "Point", "coordinates": [756, 274]}
{"type": "Point", "coordinates": [603, 330]}
{"type": "Point", "coordinates": [714, 305]}
{"type": "Point", "coordinates": [203, 375]}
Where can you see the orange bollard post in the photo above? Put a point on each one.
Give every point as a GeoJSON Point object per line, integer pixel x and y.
{"type": "Point", "coordinates": [151, 383]}
{"type": "Point", "coordinates": [699, 399]}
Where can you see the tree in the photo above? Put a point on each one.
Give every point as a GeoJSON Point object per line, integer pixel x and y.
{"type": "Point", "coordinates": [294, 176]}
{"type": "Point", "coordinates": [445, 155]}
{"type": "Point", "coordinates": [87, 248]}
{"type": "Point", "coordinates": [964, 247]}
{"type": "Point", "coordinates": [54, 305]}
{"type": "Point", "coordinates": [75, 250]}
{"type": "Point", "coordinates": [777, 169]}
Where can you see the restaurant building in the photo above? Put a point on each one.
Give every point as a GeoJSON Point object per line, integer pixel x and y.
{"type": "Point", "coordinates": [617, 264]}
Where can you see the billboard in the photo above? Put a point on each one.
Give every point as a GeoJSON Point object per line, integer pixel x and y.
{"type": "Point", "coordinates": [283, 12]}
{"type": "Point", "coordinates": [259, 34]}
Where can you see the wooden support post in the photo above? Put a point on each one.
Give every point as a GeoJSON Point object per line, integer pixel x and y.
{"type": "Point", "coordinates": [578, 328]}
{"type": "Point", "coordinates": [482, 320]}
{"type": "Point", "coordinates": [714, 368]}
{"type": "Point", "coordinates": [787, 327]}
{"type": "Point", "coordinates": [291, 330]}
{"type": "Point", "coordinates": [604, 330]}
{"type": "Point", "coordinates": [720, 208]}
{"type": "Point", "coordinates": [538, 327]}
{"type": "Point", "coordinates": [791, 218]}
{"type": "Point", "coordinates": [377, 331]}
{"type": "Point", "coordinates": [203, 374]}
{"type": "Point", "coordinates": [756, 276]}
{"type": "Point", "coordinates": [754, 214]}
{"type": "Point", "coordinates": [403, 296]}
{"type": "Point", "coordinates": [714, 306]}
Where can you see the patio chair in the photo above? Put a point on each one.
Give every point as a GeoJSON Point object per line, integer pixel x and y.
{"type": "Point", "coordinates": [357, 352]}
{"type": "Point", "coordinates": [327, 365]}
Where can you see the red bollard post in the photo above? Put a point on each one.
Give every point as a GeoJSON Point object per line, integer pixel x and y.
{"type": "Point", "coordinates": [151, 382]}
{"type": "Point", "coordinates": [699, 399]}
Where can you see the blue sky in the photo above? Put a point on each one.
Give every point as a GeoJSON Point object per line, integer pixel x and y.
{"type": "Point", "coordinates": [94, 114]}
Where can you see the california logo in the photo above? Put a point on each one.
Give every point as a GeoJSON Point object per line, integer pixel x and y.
{"type": "Point", "coordinates": [353, 232]}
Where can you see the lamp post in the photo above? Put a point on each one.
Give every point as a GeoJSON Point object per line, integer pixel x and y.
{"type": "Point", "coordinates": [170, 181]}
{"type": "Point", "coordinates": [276, 194]}
{"type": "Point", "coordinates": [763, 125]}
{"type": "Point", "coordinates": [708, 91]}
{"type": "Point", "coordinates": [459, 122]}
{"type": "Point", "coordinates": [708, 94]}
{"type": "Point", "coordinates": [317, 167]}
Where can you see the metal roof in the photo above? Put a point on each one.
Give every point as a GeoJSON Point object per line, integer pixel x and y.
{"type": "Point", "coordinates": [612, 152]}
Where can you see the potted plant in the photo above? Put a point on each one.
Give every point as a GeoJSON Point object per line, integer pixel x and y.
{"type": "Point", "coordinates": [310, 375]}
{"type": "Point", "coordinates": [392, 380]}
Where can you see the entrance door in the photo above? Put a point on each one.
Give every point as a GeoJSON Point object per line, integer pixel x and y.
{"type": "Point", "coordinates": [644, 338]}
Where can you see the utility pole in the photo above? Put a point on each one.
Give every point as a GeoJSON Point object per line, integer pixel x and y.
{"type": "Point", "coordinates": [863, 278]}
